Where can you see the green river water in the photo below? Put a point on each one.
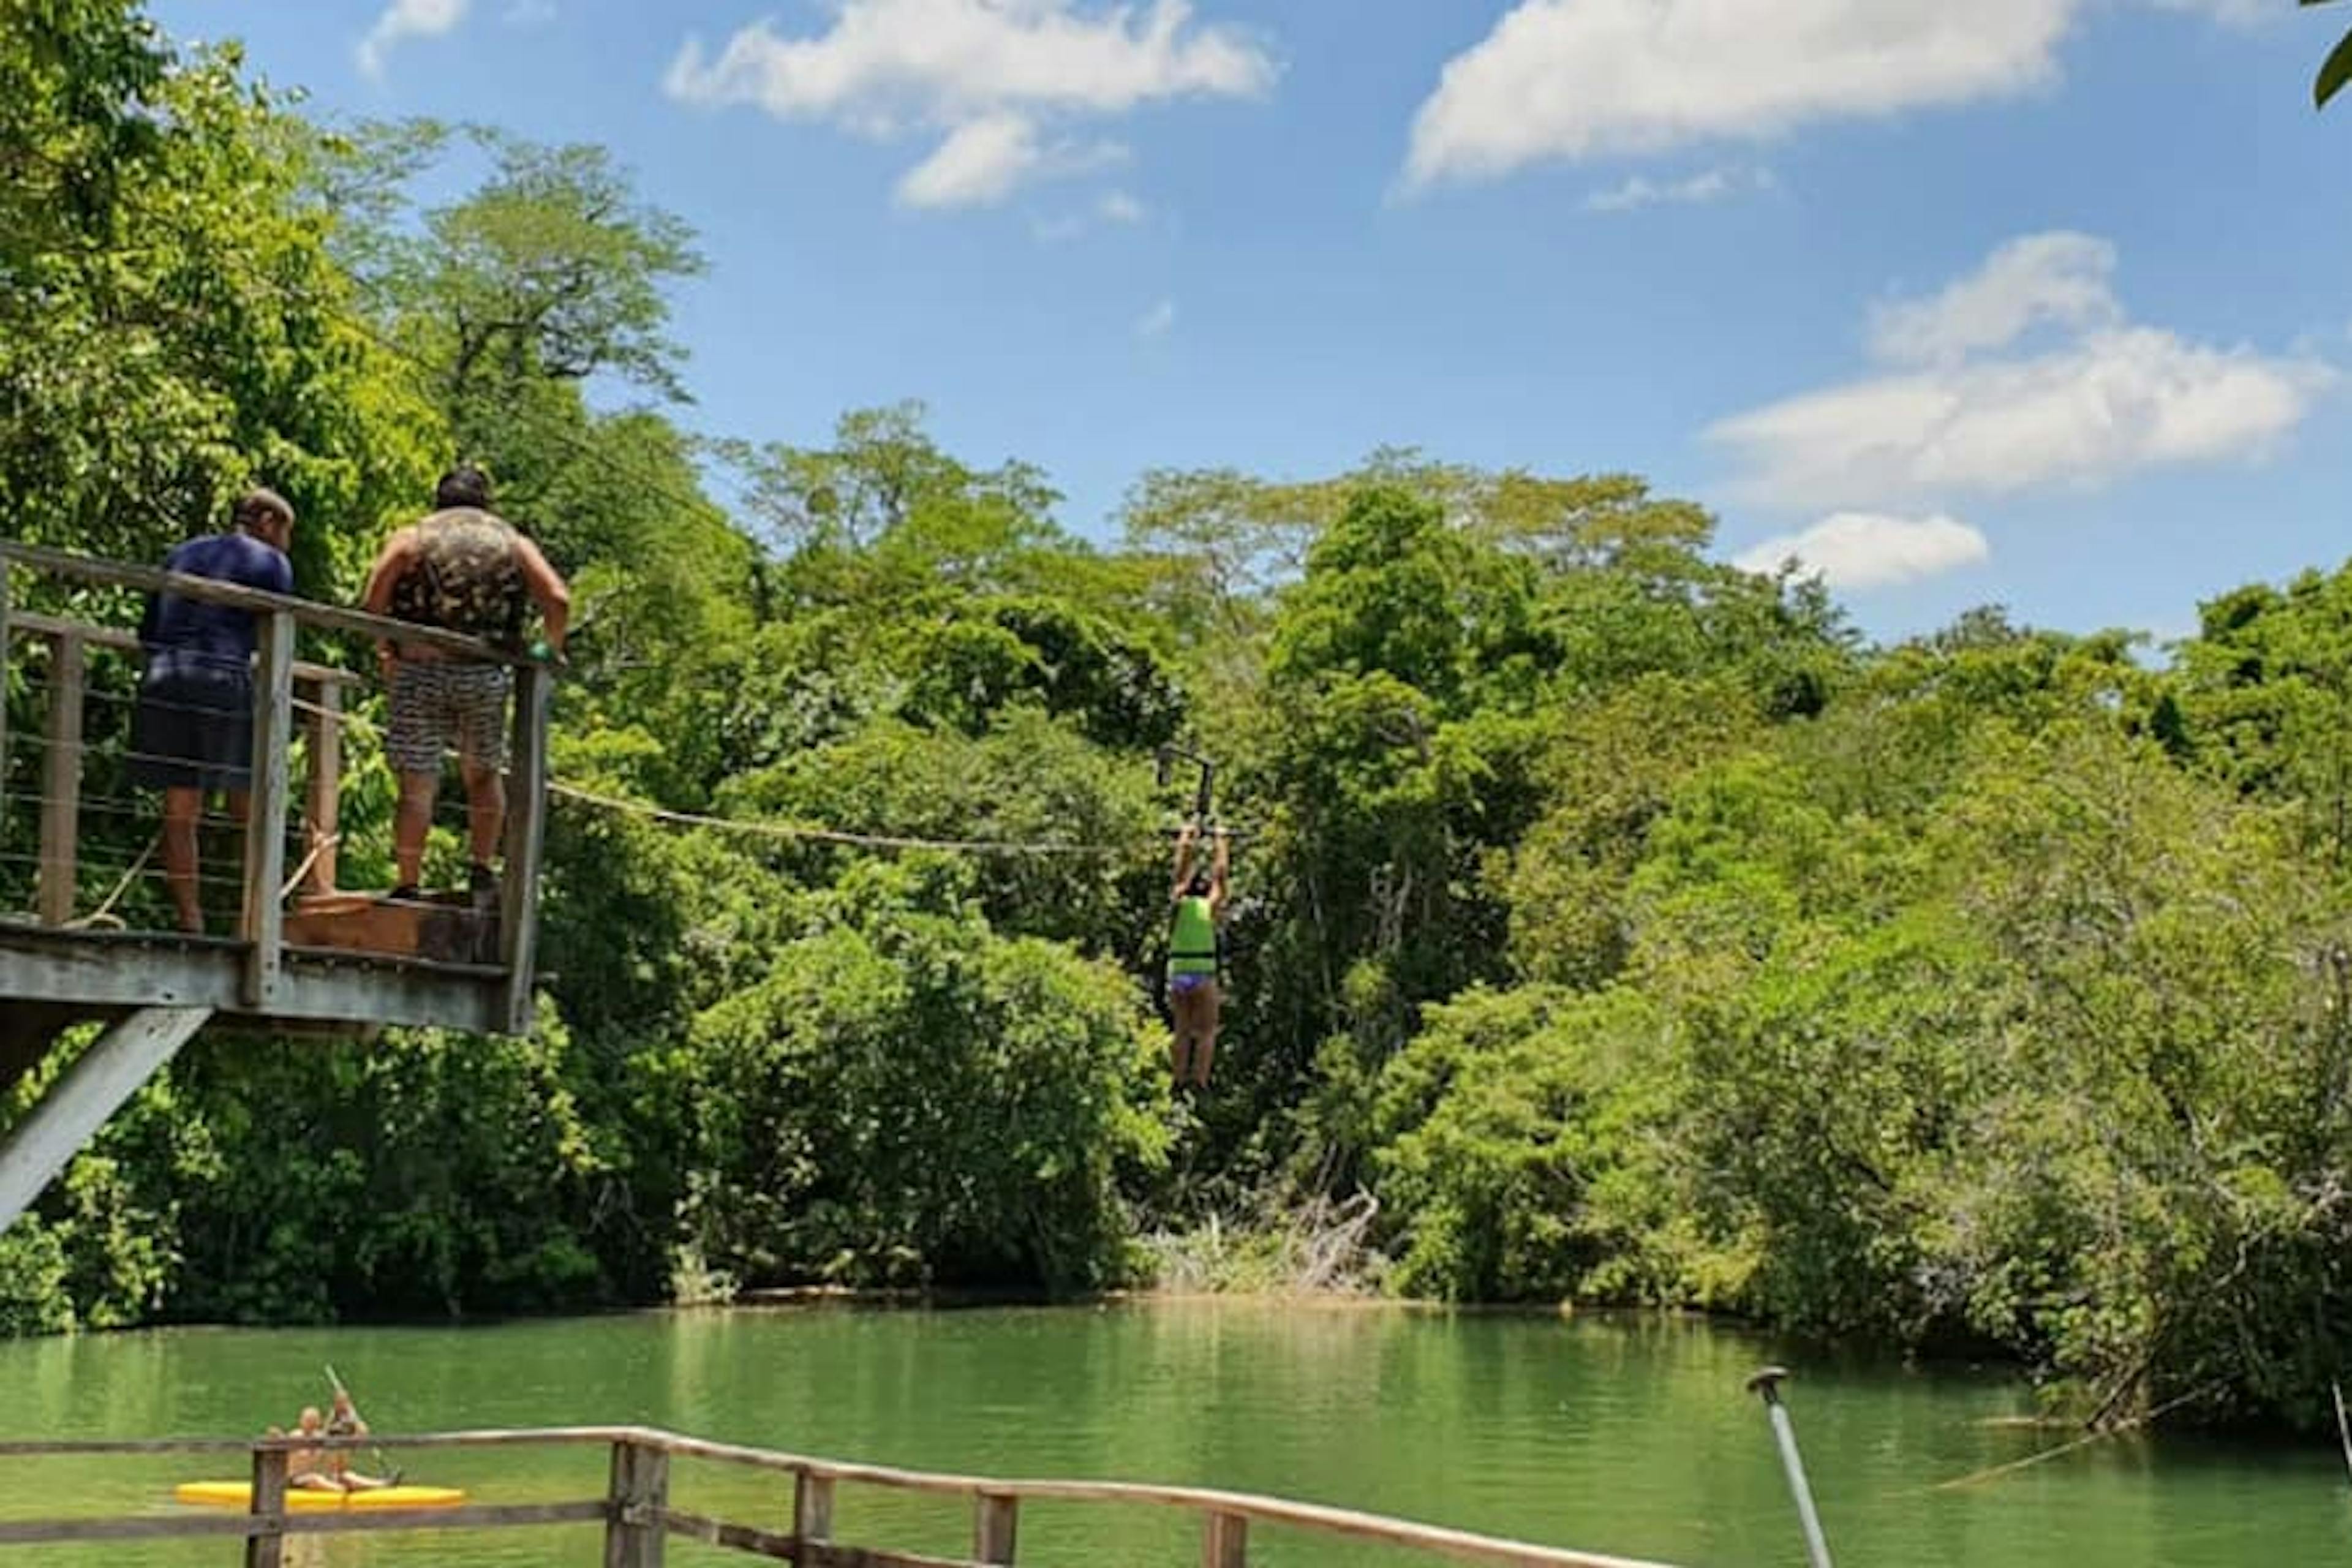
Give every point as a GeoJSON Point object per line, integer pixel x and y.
{"type": "Point", "coordinates": [1625, 1436]}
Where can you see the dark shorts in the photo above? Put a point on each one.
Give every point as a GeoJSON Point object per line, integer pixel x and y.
{"type": "Point", "coordinates": [1185, 984]}
{"type": "Point", "coordinates": [193, 730]}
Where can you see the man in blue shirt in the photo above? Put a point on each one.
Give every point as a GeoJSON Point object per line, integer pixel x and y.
{"type": "Point", "coordinates": [192, 732]}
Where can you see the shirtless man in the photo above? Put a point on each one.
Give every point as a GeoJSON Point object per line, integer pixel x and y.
{"type": "Point", "coordinates": [327, 1469]}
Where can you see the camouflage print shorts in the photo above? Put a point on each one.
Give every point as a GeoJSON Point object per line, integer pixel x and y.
{"type": "Point", "coordinates": [440, 707]}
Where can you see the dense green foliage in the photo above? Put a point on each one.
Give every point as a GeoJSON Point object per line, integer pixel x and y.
{"type": "Point", "coordinates": [1627, 928]}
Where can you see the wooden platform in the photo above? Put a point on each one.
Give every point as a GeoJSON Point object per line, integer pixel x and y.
{"type": "Point", "coordinates": [93, 972]}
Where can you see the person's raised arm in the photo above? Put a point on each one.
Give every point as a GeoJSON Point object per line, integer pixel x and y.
{"type": "Point", "coordinates": [1185, 860]}
{"type": "Point", "coordinates": [547, 590]}
{"type": "Point", "coordinates": [1218, 866]}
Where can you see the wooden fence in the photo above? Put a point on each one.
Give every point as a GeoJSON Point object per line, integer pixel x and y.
{"type": "Point", "coordinates": [638, 1517]}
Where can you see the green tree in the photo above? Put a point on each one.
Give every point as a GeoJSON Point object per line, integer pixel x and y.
{"type": "Point", "coordinates": [2335, 71]}
{"type": "Point", "coordinates": [910, 1097]}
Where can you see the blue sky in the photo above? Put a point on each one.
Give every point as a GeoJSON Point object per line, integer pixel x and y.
{"type": "Point", "coordinates": [2039, 302]}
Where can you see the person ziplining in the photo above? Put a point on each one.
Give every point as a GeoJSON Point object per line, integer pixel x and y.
{"type": "Point", "coordinates": [1195, 944]}
{"type": "Point", "coordinates": [1195, 983]}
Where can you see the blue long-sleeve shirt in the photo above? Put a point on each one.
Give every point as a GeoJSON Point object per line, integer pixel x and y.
{"type": "Point", "coordinates": [213, 636]}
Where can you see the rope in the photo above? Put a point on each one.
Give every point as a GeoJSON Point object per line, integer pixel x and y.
{"type": "Point", "coordinates": [789, 832]}
{"type": "Point", "coordinates": [317, 847]}
{"type": "Point", "coordinates": [105, 910]}
{"type": "Point", "coordinates": [829, 834]}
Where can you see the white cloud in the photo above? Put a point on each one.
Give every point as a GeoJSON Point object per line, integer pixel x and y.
{"type": "Point", "coordinates": [987, 74]}
{"type": "Point", "coordinates": [407, 19]}
{"type": "Point", "coordinates": [1113, 207]}
{"type": "Point", "coordinates": [1855, 550]}
{"type": "Point", "coordinates": [1573, 78]}
{"type": "Point", "coordinates": [980, 162]}
{"type": "Point", "coordinates": [1569, 78]}
{"type": "Point", "coordinates": [2065, 279]}
{"type": "Point", "coordinates": [1158, 322]}
{"type": "Point", "coordinates": [1949, 416]}
{"type": "Point", "coordinates": [1712, 185]}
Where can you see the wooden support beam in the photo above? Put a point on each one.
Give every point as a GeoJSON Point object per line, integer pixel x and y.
{"type": "Point", "coordinates": [1225, 1540]}
{"type": "Point", "coordinates": [995, 1521]}
{"type": "Point", "coordinates": [263, 924]}
{"type": "Point", "coordinates": [635, 1531]}
{"type": "Point", "coordinates": [61, 781]}
{"type": "Point", "coordinates": [65, 1119]}
{"type": "Point", "coordinates": [266, 1547]}
{"type": "Point", "coordinates": [99, 971]}
{"type": "Point", "coordinates": [526, 844]}
{"type": "Point", "coordinates": [323, 793]}
{"type": "Point", "coordinates": [29, 1029]}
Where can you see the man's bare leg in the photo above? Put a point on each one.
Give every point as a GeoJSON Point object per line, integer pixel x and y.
{"type": "Point", "coordinates": [486, 810]}
{"type": "Point", "coordinates": [414, 821]}
{"type": "Point", "coordinates": [181, 808]}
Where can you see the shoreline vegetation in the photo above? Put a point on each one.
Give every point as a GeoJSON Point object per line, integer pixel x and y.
{"type": "Point", "coordinates": [1612, 923]}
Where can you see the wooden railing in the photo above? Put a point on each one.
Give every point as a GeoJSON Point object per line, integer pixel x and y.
{"type": "Point", "coordinates": [287, 694]}
{"type": "Point", "coordinates": [638, 1517]}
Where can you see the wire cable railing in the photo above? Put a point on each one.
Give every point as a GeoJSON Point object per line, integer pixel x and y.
{"type": "Point", "coordinates": [83, 839]}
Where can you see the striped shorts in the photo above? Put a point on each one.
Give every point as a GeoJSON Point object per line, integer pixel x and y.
{"type": "Point", "coordinates": [441, 706]}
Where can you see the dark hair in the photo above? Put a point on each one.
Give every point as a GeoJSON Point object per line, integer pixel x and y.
{"type": "Point", "coordinates": [258, 504]}
{"type": "Point", "coordinates": [1201, 885]}
{"type": "Point", "coordinates": [463, 484]}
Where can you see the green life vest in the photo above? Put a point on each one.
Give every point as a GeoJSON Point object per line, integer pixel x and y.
{"type": "Point", "coordinates": [1193, 946]}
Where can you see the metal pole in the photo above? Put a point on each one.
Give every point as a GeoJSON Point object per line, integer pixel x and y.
{"type": "Point", "coordinates": [1767, 1384]}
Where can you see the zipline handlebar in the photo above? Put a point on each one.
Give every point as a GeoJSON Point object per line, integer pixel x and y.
{"type": "Point", "coordinates": [1167, 758]}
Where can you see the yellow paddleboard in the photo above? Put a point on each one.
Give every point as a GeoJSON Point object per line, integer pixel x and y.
{"type": "Point", "coordinates": [239, 1494]}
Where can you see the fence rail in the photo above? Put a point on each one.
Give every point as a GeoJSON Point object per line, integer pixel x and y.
{"type": "Point", "coordinates": [638, 1517]}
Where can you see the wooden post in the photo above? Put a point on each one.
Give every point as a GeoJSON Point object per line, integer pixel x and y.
{"type": "Point", "coordinates": [267, 1548]}
{"type": "Point", "coordinates": [61, 781]}
{"type": "Point", "coordinates": [526, 843]}
{"type": "Point", "coordinates": [1225, 1540]}
{"type": "Point", "coordinates": [812, 1507]}
{"type": "Point", "coordinates": [633, 1531]}
{"type": "Point", "coordinates": [263, 925]}
{"type": "Point", "coordinates": [323, 797]}
{"type": "Point", "coordinates": [993, 1521]}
